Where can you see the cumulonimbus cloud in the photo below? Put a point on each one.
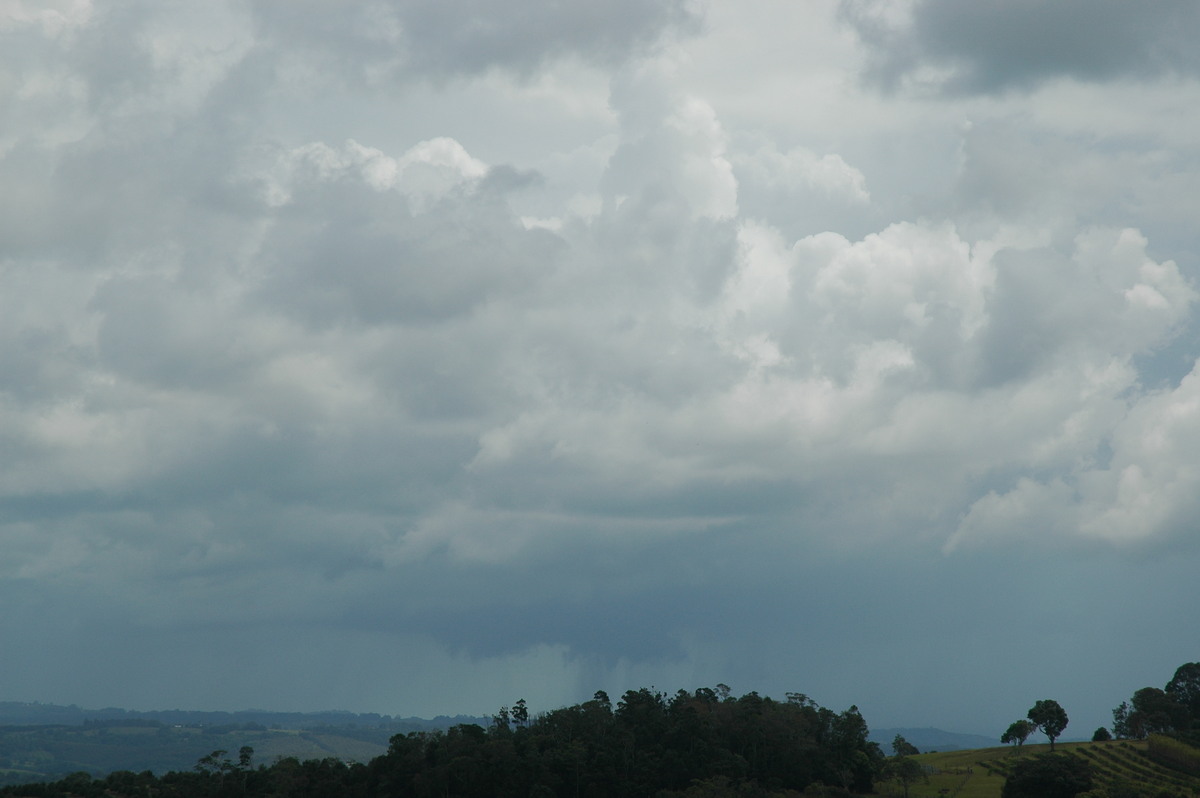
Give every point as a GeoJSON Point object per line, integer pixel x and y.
{"type": "Point", "coordinates": [261, 361]}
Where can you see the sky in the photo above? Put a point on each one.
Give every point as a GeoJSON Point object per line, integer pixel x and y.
{"type": "Point", "coordinates": [415, 357]}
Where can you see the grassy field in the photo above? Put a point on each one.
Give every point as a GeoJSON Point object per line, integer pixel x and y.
{"type": "Point", "coordinates": [980, 773]}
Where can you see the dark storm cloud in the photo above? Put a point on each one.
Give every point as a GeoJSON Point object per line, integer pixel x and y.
{"type": "Point", "coordinates": [995, 45]}
{"type": "Point", "coordinates": [430, 39]}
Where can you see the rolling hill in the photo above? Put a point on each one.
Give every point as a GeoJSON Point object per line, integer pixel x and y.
{"type": "Point", "coordinates": [980, 772]}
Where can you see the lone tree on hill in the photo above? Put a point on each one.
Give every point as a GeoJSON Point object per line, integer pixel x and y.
{"type": "Point", "coordinates": [1051, 718]}
{"type": "Point", "coordinates": [1018, 732]}
{"type": "Point", "coordinates": [904, 771]}
{"type": "Point", "coordinates": [901, 768]}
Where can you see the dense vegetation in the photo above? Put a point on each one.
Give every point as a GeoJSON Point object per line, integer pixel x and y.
{"type": "Point", "coordinates": [690, 744]}
{"type": "Point", "coordinates": [1172, 709]}
{"type": "Point", "coordinates": [704, 744]}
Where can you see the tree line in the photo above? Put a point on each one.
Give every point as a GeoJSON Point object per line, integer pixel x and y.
{"type": "Point", "coordinates": [685, 745]}
{"type": "Point", "coordinates": [1174, 708]}
{"type": "Point", "coordinates": [1170, 717]}
{"type": "Point", "coordinates": [700, 744]}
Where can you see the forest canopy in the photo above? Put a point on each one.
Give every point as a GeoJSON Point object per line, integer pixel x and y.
{"type": "Point", "coordinates": [647, 744]}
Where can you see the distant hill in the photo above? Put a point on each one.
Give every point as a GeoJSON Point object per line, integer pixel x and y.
{"type": "Point", "coordinates": [41, 742]}
{"type": "Point", "coordinates": [930, 739]}
{"type": "Point", "coordinates": [18, 713]}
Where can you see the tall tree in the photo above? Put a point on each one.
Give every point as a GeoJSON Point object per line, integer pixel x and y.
{"type": "Point", "coordinates": [1150, 711]}
{"type": "Point", "coordinates": [1018, 732]}
{"type": "Point", "coordinates": [520, 713]}
{"type": "Point", "coordinates": [904, 770]}
{"type": "Point", "coordinates": [1184, 687]}
{"type": "Point", "coordinates": [1048, 716]}
{"type": "Point", "coordinates": [602, 701]}
{"type": "Point", "coordinates": [1156, 711]}
{"type": "Point", "coordinates": [1122, 728]}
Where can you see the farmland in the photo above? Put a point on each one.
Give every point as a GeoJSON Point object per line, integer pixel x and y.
{"type": "Point", "coordinates": [980, 773]}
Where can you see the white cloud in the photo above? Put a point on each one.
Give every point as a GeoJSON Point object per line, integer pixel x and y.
{"type": "Point", "coordinates": [54, 18]}
{"type": "Point", "coordinates": [426, 173]}
{"type": "Point", "coordinates": [673, 146]}
{"type": "Point", "coordinates": [1145, 492]}
{"type": "Point", "coordinates": [801, 169]}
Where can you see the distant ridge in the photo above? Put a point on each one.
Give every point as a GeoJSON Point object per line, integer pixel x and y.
{"type": "Point", "coordinates": [929, 739]}
{"type": "Point", "coordinates": [22, 713]}
{"type": "Point", "coordinates": [19, 713]}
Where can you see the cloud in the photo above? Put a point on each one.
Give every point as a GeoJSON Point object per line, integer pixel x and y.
{"type": "Point", "coordinates": [1144, 492]}
{"type": "Point", "coordinates": [993, 46]}
{"type": "Point", "coordinates": [800, 169]}
{"type": "Point", "coordinates": [672, 149]}
{"type": "Point", "coordinates": [359, 236]}
{"type": "Point", "coordinates": [387, 40]}
{"type": "Point", "coordinates": [317, 334]}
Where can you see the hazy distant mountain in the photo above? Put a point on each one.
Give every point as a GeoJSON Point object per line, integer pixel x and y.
{"type": "Point", "coordinates": [932, 739]}
{"type": "Point", "coordinates": [43, 742]}
{"type": "Point", "coordinates": [19, 713]}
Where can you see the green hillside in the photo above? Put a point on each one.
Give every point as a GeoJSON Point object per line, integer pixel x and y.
{"type": "Point", "coordinates": [980, 773]}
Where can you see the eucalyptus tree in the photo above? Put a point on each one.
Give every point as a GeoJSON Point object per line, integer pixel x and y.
{"type": "Point", "coordinates": [1050, 718]}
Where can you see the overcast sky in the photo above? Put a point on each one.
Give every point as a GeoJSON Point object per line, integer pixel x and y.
{"type": "Point", "coordinates": [414, 356]}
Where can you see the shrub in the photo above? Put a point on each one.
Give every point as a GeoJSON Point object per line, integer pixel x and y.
{"type": "Point", "coordinates": [1048, 776]}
